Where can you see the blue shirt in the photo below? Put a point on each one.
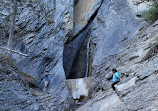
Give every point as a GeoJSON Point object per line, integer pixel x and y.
{"type": "Point", "coordinates": [115, 77]}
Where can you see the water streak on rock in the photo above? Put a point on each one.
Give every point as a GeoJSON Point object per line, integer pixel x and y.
{"type": "Point", "coordinates": [87, 57]}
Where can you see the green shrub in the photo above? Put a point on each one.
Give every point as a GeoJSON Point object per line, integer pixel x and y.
{"type": "Point", "coordinates": [31, 1]}
{"type": "Point", "coordinates": [50, 21]}
{"type": "Point", "coordinates": [151, 14]}
{"type": "Point", "coordinates": [7, 18]}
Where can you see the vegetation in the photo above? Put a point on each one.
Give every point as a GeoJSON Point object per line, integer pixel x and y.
{"type": "Point", "coordinates": [27, 75]}
{"type": "Point", "coordinates": [50, 20]}
{"type": "Point", "coordinates": [30, 1]}
{"type": "Point", "coordinates": [151, 14]}
{"type": "Point", "coordinates": [7, 18]}
{"type": "Point", "coordinates": [40, 9]}
{"type": "Point", "coordinates": [3, 16]}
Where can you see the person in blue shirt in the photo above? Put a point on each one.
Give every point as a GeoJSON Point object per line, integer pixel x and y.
{"type": "Point", "coordinates": [115, 78]}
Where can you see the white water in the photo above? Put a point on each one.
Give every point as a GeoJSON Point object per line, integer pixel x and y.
{"type": "Point", "coordinates": [87, 58]}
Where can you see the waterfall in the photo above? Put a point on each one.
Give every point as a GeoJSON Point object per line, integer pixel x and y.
{"type": "Point", "coordinates": [87, 58]}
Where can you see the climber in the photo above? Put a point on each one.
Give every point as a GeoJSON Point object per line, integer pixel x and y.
{"type": "Point", "coordinates": [46, 80]}
{"type": "Point", "coordinates": [115, 78]}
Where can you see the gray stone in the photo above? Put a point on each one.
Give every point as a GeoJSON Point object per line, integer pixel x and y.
{"type": "Point", "coordinates": [43, 42]}
{"type": "Point", "coordinates": [143, 96]}
{"type": "Point", "coordinates": [83, 11]}
{"type": "Point", "coordinates": [120, 22]}
{"type": "Point", "coordinates": [79, 87]}
{"type": "Point", "coordinates": [111, 103]}
{"type": "Point", "coordinates": [123, 48]}
{"type": "Point", "coordinates": [104, 101]}
{"type": "Point", "coordinates": [126, 85]}
{"type": "Point", "coordinates": [15, 94]}
{"type": "Point", "coordinates": [117, 40]}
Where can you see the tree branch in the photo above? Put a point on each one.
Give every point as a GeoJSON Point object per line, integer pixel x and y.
{"type": "Point", "coordinates": [13, 51]}
{"type": "Point", "coordinates": [11, 35]}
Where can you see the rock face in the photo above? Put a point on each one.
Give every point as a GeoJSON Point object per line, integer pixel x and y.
{"type": "Point", "coordinates": [126, 85]}
{"type": "Point", "coordinates": [115, 24]}
{"type": "Point", "coordinates": [138, 97]}
{"type": "Point", "coordinates": [40, 32]}
{"type": "Point", "coordinates": [15, 93]}
{"type": "Point", "coordinates": [84, 13]}
{"type": "Point", "coordinates": [110, 103]}
{"type": "Point", "coordinates": [55, 33]}
{"type": "Point", "coordinates": [83, 10]}
{"type": "Point", "coordinates": [43, 42]}
{"type": "Point", "coordinates": [132, 51]}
